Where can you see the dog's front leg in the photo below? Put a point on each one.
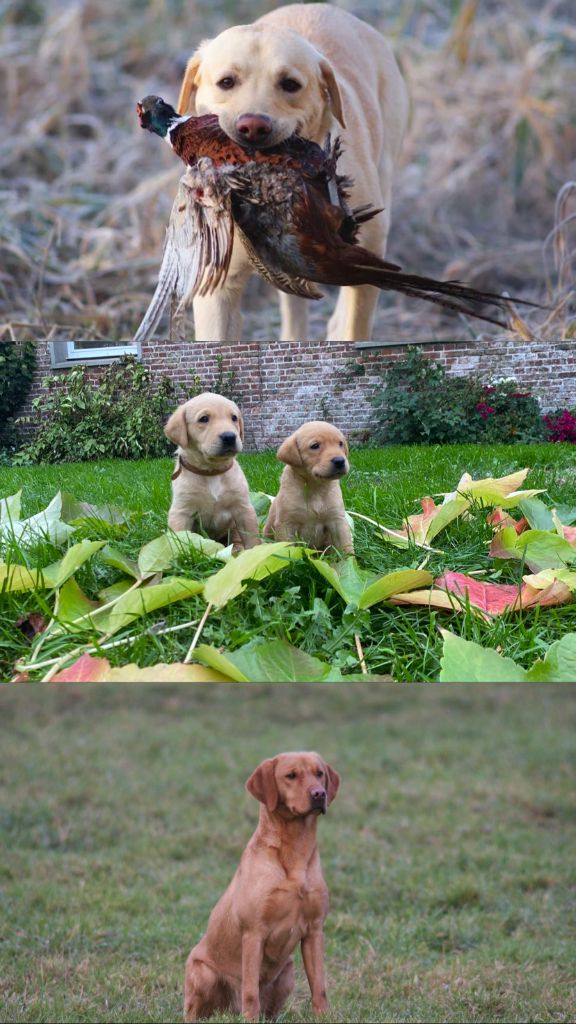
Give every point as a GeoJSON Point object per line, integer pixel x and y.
{"type": "Point", "coordinates": [313, 957]}
{"type": "Point", "coordinates": [294, 317]}
{"type": "Point", "coordinates": [251, 963]}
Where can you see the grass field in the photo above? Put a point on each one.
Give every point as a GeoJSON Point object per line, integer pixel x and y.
{"type": "Point", "coordinates": [448, 852]}
{"type": "Point", "coordinates": [489, 148]}
{"type": "Point", "coordinates": [297, 605]}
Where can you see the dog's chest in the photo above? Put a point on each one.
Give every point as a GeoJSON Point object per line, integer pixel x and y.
{"type": "Point", "coordinates": [297, 906]}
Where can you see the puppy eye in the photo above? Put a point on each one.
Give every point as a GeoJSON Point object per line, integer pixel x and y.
{"type": "Point", "coordinates": [341, 443]}
{"type": "Point", "coordinates": [203, 419]}
{"type": "Point", "coordinates": [289, 85]}
{"type": "Point", "coordinates": [234, 419]}
{"type": "Point", "coordinates": [291, 775]}
{"type": "Point", "coordinates": [226, 83]}
{"type": "Point", "coordinates": [315, 445]}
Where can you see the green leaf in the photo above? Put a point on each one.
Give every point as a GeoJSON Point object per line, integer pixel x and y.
{"type": "Point", "coordinates": [145, 599]}
{"type": "Point", "coordinates": [77, 512]}
{"type": "Point", "coordinates": [260, 502]}
{"type": "Point", "coordinates": [57, 573]}
{"type": "Point", "coordinates": [273, 661]}
{"type": "Point", "coordinates": [253, 564]}
{"type": "Point", "coordinates": [559, 663]}
{"type": "Point", "coordinates": [464, 661]}
{"type": "Point", "coordinates": [111, 556]}
{"type": "Point", "coordinates": [115, 590]}
{"type": "Point", "coordinates": [72, 603]}
{"type": "Point", "coordinates": [545, 550]}
{"type": "Point", "coordinates": [159, 554]}
{"type": "Point", "coordinates": [45, 525]}
{"type": "Point", "coordinates": [10, 507]}
{"type": "Point", "coordinates": [537, 513]}
{"type": "Point", "coordinates": [18, 578]}
{"type": "Point", "coordinates": [363, 589]}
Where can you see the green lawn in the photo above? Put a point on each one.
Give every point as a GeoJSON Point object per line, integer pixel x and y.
{"type": "Point", "coordinates": [296, 604]}
{"type": "Point", "coordinates": [448, 852]}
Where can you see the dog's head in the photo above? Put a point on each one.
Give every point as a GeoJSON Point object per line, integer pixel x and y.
{"type": "Point", "coordinates": [318, 450]}
{"type": "Point", "coordinates": [294, 784]}
{"type": "Point", "coordinates": [264, 83]}
{"type": "Point", "coordinates": [208, 427]}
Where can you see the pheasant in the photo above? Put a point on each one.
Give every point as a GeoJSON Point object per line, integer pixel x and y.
{"type": "Point", "coordinates": [291, 210]}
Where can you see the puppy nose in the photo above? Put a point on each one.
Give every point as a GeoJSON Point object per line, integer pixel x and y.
{"type": "Point", "coordinates": [254, 127]}
{"type": "Point", "coordinates": [228, 439]}
{"type": "Point", "coordinates": [339, 462]}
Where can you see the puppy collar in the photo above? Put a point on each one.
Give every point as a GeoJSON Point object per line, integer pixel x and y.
{"type": "Point", "coordinates": [183, 464]}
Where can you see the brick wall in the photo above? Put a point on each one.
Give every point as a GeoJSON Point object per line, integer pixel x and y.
{"type": "Point", "coordinates": [280, 385]}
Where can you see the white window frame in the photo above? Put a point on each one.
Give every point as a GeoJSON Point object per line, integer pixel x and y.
{"type": "Point", "coordinates": [102, 352]}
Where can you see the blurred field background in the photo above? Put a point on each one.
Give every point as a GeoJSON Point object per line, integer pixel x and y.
{"type": "Point", "coordinates": [448, 852]}
{"type": "Point", "coordinates": [86, 194]}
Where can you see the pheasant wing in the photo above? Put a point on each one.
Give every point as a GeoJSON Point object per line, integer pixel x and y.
{"type": "Point", "coordinates": [198, 245]}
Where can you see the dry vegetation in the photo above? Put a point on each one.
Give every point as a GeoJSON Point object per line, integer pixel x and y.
{"type": "Point", "coordinates": [484, 193]}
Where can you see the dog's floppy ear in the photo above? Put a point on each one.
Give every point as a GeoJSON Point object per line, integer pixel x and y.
{"type": "Point", "coordinates": [176, 428]}
{"type": "Point", "coordinates": [345, 445]}
{"type": "Point", "coordinates": [332, 783]}
{"type": "Point", "coordinates": [241, 425]}
{"type": "Point", "coordinates": [331, 85]}
{"type": "Point", "coordinates": [187, 97]}
{"type": "Point", "coordinates": [289, 451]}
{"type": "Point", "coordinates": [262, 784]}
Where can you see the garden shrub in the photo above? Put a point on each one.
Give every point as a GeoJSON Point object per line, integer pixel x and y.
{"type": "Point", "coordinates": [17, 363]}
{"type": "Point", "coordinates": [421, 403]}
{"type": "Point", "coordinates": [120, 416]}
{"type": "Point", "coordinates": [561, 425]}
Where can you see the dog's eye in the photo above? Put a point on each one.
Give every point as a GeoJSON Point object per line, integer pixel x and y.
{"type": "Point", "coordinates": [228, 82]}
{"type": "Point", "coordinates": [203, 419]}
{"type": "Point", "coordinates": [289, 85]}
{"type": "Point", "coordinates": [315, 446]}
{"type": "Point", "coordinates": [341, 443]}
{"type": "Point", "coordinates": [234, 419]}
{"type": "Point", "coordinates": [319, 773]}
{"type": "Point", "coordinates": [291, 775]}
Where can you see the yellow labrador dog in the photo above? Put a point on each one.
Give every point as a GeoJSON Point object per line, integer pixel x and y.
{"type": "Point", "coordinates": [309, 504]}
{"type": "Point", "coordinates": [276, 900]}
{"type": "Point", "coordinates": [208, 487]}
{"type": "Point", "coordinates": [307, 68]}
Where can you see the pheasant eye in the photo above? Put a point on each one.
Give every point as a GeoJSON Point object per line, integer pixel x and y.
{"type": "Point", "coordinates": [203, 419]}
{"type": "Point", "coordinates": [289, 85]}
{"type": "Point", "coordinates": [228, 82]}
{"type": "Point", "coordinates": [315, 446]}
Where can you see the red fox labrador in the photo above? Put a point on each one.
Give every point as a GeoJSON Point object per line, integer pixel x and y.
{"type": "Point", "coordinates": [277, 899]}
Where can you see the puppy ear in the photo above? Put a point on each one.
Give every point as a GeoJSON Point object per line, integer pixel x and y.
{"type": "Point", "coordinates": [331, 86]}
{"type": "Point", "coordinates": [262, 784]}
{"type": "Point", "coordinates": [289, 451]}
{"type": "Point", "coordinates": [345, 445]}
{"type": "Point", "coordinates": [332, 783]}
{"type": "Point", "coordinates": [176, 428]}
{"type": "Point", "coordinates": [241, 426]}
{"type": "Point", "coordinates": [187, 97]}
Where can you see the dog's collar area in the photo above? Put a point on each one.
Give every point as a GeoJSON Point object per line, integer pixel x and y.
{"type": "Point", "coordinates": [183, 464]}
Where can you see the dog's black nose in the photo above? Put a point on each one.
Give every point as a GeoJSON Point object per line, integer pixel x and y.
{"type": "Point", "coordinates": [228, 439]}
{"type": "Point", "coordinates": [318, 796]}
{"type": "Point", "coordinates": [339, 462]}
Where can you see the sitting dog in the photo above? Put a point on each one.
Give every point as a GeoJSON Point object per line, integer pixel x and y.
{"type": "Point", "coordinates": [276, 899]}
{"type": "Point", "coordinates": [209, 490]}
{"type": "Point", "coordinates": [309, 504]}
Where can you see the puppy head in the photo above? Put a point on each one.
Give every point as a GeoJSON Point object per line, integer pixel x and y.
{"type": "Point", "coordinates": [207, 427]}
{"type": "Point", "coordinates": [264, 83]}
{"type": "Point", "coordinates": [295, 784]}
{"type": "Point", "coordinates": [317, 450]}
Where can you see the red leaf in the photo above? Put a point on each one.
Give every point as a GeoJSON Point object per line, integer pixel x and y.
{"type": "Point", "coordinates": [490, 597]}
{"type": "Point", "coordinates": [85, 670]}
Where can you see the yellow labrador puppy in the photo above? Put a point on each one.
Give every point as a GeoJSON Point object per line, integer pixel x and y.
{"type": "Point", "coordinates": [307, 68]}
{"type": "Point", "coordinates": [309, 504]}
{"type": "Point", "coordinates": [208, 487]}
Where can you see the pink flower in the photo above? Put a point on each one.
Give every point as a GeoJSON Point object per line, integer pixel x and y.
{"type": "Point", "coordinates": [484, 410]}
